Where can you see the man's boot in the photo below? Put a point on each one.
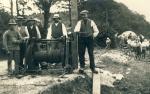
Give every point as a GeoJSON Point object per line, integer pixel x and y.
{"type": "Point", "coordinates": [9, 67]}
{"type": "Point", "coordinates": [94, 71]}
{"type": "Point", "coordinates": [81, 71]}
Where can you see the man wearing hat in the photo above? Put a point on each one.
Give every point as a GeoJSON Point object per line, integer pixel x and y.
{"type": "Point", "coordinates": [32, 29]}
{"type": "Point", "coordinates": [25, 35]}
{"type": "Point", "coordinates": [34, 33]}
{"type": "Point", "coordinates": [57, 30]}
{"type": "Point", "coordinates": [87, 30]}
{"type": "Point", "coordinates": [11, 42]}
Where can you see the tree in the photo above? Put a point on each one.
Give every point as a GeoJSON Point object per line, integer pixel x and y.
{"type": "Point", "coordinates": [21, 7]}
{"type": "Point", "coordinates": [45, 6]}
{"type": "Point", "coordinates": [4, 19]}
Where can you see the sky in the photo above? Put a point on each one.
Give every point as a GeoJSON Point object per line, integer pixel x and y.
{"type": "Point", "coordinates": [139, 6]}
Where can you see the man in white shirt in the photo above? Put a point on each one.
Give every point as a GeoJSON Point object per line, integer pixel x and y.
{"type": "Point", "coordinates": [87, 30]}
{"type": "Point", "coordinates": [32, 29]}
{"type": "Point", "coordinates": [25, 35]}
{"type": "Point", "coordinates": [33, 32]}
{"type": "Point", "coordinates": [57, 30]}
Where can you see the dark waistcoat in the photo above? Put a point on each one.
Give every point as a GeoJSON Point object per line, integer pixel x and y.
{"type": "Point", "coordinates": [32, 31]}
{"type": "Point", "coordinates": [86, 29]}
{"type": "Point", "coordinates": [57, 30]}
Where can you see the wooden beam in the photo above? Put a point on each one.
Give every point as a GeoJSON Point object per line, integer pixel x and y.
{"type": "Point", "coordinates": [74, 43]}
{"type": "Point", "coordinates": [96, 83]}
{"type": "Point", "coordinates": [74, 13]}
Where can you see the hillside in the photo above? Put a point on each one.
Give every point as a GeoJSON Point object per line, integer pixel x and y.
{"type": "Point", "coordinates": [113, 17]}
{"type": "Point", "coordinates": [117, 16]}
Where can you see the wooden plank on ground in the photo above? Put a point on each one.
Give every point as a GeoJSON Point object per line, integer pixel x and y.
{"type": "Point", "coordinates": [96, 83]}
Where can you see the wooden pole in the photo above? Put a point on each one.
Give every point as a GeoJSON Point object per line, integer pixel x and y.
{"type": "Point", "coordinates": [74, 43]}
{"type": "Point", "coordinates": [70, 16]}
{"type": "Point", "coordinates": [96, 83]}
{"type": "Point", "coordinates": [11, 8]}
{"type": "Point", "coordinates": [17, 7]}
{"type": "Point", "coordinates": [74, 12]}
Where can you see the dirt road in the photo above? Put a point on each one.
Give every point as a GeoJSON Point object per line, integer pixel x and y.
{"type": "Point", "coordinates": [120, 75]}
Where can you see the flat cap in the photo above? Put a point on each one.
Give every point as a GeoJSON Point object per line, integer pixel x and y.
{"type": "Point", "coordinates": [36, 19]}
{"type": "Point", "coordinates": [84, 12]}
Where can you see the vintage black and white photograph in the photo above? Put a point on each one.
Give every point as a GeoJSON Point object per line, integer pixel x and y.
{"type": "Point", "coordinates": [74, 47]}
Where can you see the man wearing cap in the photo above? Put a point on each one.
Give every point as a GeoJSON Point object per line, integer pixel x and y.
{"type": "Point", "coordinates": [57, 30]}
{"type": "Point", "coordinates": [87, 30]}
{"type": "Point", "coordinates": [11, 42]}
{"type": "Point", "coordinates": [21, 27]}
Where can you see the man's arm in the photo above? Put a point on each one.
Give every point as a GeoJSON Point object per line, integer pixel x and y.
{"type": "Point", "coordinates": [95, 29]}
{"type": "Point", "coordinates": [5, 41]}
{"type": "Point", "coordinates": [49, 36]}
{"type": "Point", "coordinates": [38, 32]}
{"type": "Point", "coordinates": [27, 33]}
{"type": "Point", "coordinates": [64, 30]}
{"type": "Point", "coordinates": [18, 39]}
{"type": "Point", "coordinates": [19, 36]}
{"type": "Point", "coordinates": [77, 27]}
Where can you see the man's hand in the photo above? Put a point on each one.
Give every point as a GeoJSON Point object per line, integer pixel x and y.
{"type": "Point", "coordinates": [94, 35]}
{"type": "Point", "coordinates": [17, 41]}
{"type": "Point", "coordinates": [23, 40]}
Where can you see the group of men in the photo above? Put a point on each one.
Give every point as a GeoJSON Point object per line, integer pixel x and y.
{"type": "Point", "coordinates": [13, 42]}
{"type": "Point", "coordinates": [86, 29]}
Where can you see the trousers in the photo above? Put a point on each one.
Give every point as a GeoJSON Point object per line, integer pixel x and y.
{"type": "Point", "coordinates": [23, 47]}
{"type": "Point", "coordinates": [14, 55]}
{"type": "Point", "coordinates": [83, 43]}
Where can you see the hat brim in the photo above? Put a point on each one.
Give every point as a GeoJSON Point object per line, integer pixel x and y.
{"type": "Point", "coordinates": [20, 19]}
{"type": "Point", "coordinates": [56, 17]}
{"type": "Point", "coordinates": [12, 23]}
{"type": "Point", "coordinates": [84, 13]}
{"type": "Point", "coordinates": [37, 20]}
{"type": "Point", "coordinates": [32, 20]}
{"type": "Point", "coordinates": [29, 21]}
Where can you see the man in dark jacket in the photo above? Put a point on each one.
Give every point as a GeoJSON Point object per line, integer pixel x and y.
{"type": "Point", "coordinates": [87, 30]}
{"type": "Point", "coordinates": [11, 42]}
